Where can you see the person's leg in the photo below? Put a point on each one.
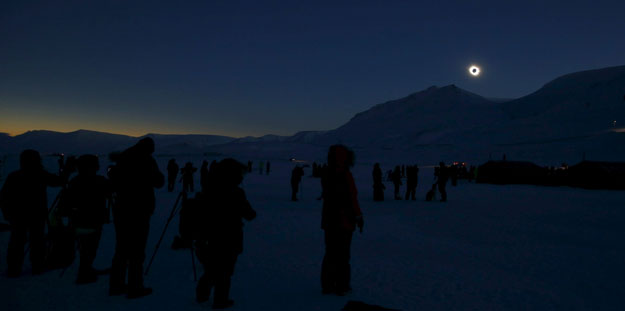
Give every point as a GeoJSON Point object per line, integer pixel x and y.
{"type": "Point", "coordinates": [15, 250]}
{"type": "Point", "coordinates": [343, 266]}
{"type": "Point", "coordinates": [138, 242]}
{"type": "Point", "coordinates": [36, 232]}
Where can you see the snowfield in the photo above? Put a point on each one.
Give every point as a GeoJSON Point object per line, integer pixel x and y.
{"type": "Point", "coordinates": [488, 248]}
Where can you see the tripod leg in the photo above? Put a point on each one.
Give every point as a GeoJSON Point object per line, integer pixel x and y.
{"type": "Point", "coordinates": [158, 244]}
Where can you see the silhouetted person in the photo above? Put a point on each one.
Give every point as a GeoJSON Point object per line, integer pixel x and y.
{"type": "Point", "coordinates": [340, 215]}
{"type": "Point", "coordinates": [204, 175]}
{"type": "Point", "coordinates": [86, 200]}
{"type": "Point", "coordinates": [268, 167]}
{"type": "Point", "coordinates": [24, 205]}
{"type": "Point", "coordinates": [187, 176]}
{"type": "Point", "coordinates": [61, 162]}
{"type": "Point", "coordinates": [412, 175]}
{"type": "Point", "coordinates": [403, 171]}
{"type": "Point", "coordinates": [296, 178]}
{"type": "Point", "coordinates": [134, 178]}
{"type": "Point", "coordinates": [442, 175]}
{"type": "Point", "coordinates": [453, 174]}
{"type": "Point", "coordinates": [470, 173]}
{"type": "Point", "coordinates": [378, 186]}
{"type": "Point", "coordinates": [396, 177]}
{"type": "Point", "coordinates": [221, 239]}
{"type": "Point", "coordinates": [172, 174]}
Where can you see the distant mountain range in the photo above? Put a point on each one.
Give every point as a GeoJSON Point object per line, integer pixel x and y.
{"type": "Point", "coordinates": [576, 115]}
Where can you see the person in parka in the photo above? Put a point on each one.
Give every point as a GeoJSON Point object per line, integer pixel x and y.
{"type": "Point", "coordinates": [296, 177]}
{"type": "Point", "coordinates": [24, 204]}
{"type": "Point", "coordinates": [340, 216]}
{"type": "Point", "coordinates": [134, 178]}
{"type": "Point", "coordinates": [412, 175]}
{"type": "Point", "coordinates": [86, 200]}
{"type": "Point", "coordinates": [220, 238]}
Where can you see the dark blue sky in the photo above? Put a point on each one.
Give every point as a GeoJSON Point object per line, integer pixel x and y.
{"type": "Point", "coordinates": [276, 67]}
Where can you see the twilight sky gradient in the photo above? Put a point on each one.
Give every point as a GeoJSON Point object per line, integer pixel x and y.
{"type": "Point", "coordinates": [241, 68]}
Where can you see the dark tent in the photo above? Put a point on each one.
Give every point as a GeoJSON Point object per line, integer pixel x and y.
{"type": "Point", "coordinates": [597, 175]}
{"type": "Point", "coordinates": [511, 172]}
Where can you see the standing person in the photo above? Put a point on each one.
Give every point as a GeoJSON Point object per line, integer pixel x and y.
{"type": "Point", "coordinates": [172, 173]}
{"type": "Point", "coordinates": [396, 177]}
{"type": "Point", "coordinates": [86, 199]}
{"type": "Point", "coordinates": [260, 167]}
{"type": "Point", "coordinates": [378, 186]}
{"type": "Point", "coordinates": [339, 218]}
{"type": "Point", "coordinates": [204, 175]}
{"type": "Point", "coordinates": [220, 240]}
{"type": "Point", "coordinates": [268, 167]}
{"type": "Point", "coordinates": [134, 178]}
{"type": "Point", "coordinates": [411, 181]}
{"type": "Point", "coordinates": [441, 180]}
{"type": "Point", "coordinates": [187, 176]}
{"type": "Point", "coordinates": [24, 205]}
{"type": "Point", "coordinates": [296, 178]}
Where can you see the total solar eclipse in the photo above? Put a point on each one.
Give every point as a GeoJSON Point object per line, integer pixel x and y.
{"type": "Point", "coordinates": [474, 70]}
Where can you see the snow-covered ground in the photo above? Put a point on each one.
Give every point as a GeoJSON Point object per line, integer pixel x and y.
{"type": "Point", "coordinates": [488, 248]}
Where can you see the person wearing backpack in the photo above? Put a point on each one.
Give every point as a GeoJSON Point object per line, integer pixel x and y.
{"type": "Point", "coordinates": [86, 200]}
{"type": "Point", "coordinates": [24, 204]}
{"type": "Point", "coordinates": [219, 233]}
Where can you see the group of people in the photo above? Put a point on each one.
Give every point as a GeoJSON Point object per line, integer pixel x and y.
{"type": "Point", "coordinates": [129, 189]}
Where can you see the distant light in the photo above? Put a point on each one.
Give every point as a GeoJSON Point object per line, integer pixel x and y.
{"type": "Point", "coordinates": [614, 123]}
{"type": "Point", "coordinates": [474, 70]}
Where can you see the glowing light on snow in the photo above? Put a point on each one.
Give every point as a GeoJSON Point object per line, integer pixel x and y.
{"type": "Point", "coordinates": [474, 70]}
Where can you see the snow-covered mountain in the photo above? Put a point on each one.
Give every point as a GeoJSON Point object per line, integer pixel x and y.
{"type": "Point", "coordinates": [84, 141]}
{"type": "Point", "coordinates": [574, 116]}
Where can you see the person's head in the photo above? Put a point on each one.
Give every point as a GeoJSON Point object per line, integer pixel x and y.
{"type": "Point", "coordinates": [230, 172]}
{"type": "Point", "coordinates": [171, 161]}
{"type": "Point", "coordinates": [145, 145]}
{"type": "Point", "coordinates": [442, 164]}
{"type": "Point", "coordinates": [204, 163]}
{"type": "Point", "coordinates": [188, 165]}
{"type": "Point", "coordinates": [376, 165]}
{"type": "Point", "coordinates": [88, 164]}
{"type": "Point", "coordinates": [30, 160]}
{"type": "Point", "coordinates": [340, 157]}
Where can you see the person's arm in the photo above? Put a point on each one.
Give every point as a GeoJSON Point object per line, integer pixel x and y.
{"type": "Point", "coordinates": [158, 179]}
{"type": "Point", "coordinates": [353, 192]}
{"type": "Point", "coordinates": [247, 212]}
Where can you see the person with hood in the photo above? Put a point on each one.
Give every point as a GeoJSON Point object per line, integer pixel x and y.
{"type": "Point", "coordinates": [24, 204]}
{"type": "Point", "coordinates": [134, 178]}
{"type": "Point", "coordinates": [172, 173]}
{"type": "Point", "coordinates": [220, 239]}
{"type": "Point", "coordinates": [339, 218]}
{"type": "Point", "coordinates": [86, 203]}
{"type": "Point", "coordinates": [378, 186]}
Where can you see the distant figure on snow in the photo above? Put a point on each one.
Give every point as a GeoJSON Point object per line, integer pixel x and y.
{"type": "Point", "coordinates": [187, 176]}
{"type": "Point", "coordinates": [378, 186]}
{"type": "Point", "coordinates": [396, 177]}
{"type": "Point", "coordinates": [221, 239]}
{"type": "Point", "coordinates": [340, 216]}
{"type": "Point", "coordinates": [134, 178]}
{"type": "Point", "coordinates": [412, 178]}
{"type": "Point", "coordinates": [296, 178]}
{"type": "Point", "coordinates": [442, 175]}
{"type": "Point", "coordinates": [268, 167]}
{"type": "Point", "coordinates": [172, 174]}
{"type": "Point", "coordinates": [24, 204]}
